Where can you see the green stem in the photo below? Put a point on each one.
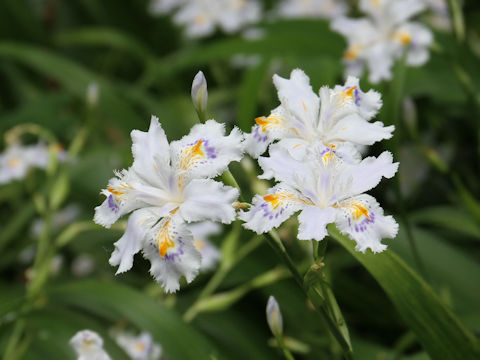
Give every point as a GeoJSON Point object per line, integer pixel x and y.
{"type": "Point", "coordinates": [220, 275]}
{"type": "Point", "coordinates": [41, 264]}
{"type": "Point", "coordinates": [274, 241]}
{"type": "Point", "coordinates": [14, 341]}
{"type": "Point", "coordinates": [288, 355]}
{"type": "Point", "coordinates": [315, 296]}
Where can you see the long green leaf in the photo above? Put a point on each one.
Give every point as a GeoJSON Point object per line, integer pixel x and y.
{"type": "Point", "coordinates": [72, 76]}
{"type": "Point", "coordinates": [115, 302]}
{"type": "Point", "coordinates": [439, 331]}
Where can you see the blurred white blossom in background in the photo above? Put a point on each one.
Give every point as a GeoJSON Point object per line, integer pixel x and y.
{"type": "Point", "coordinates": [201, 17]}
{"type": "Point", "coordinates": [17, 160]}
{"type": "Point", "coordinates": [202, 231]}
{"type": "Point", "coordinates": [141, 347]}
{"type": "Point", "coordinates": [88, 345]}
{"type": "Point", "coordinates": [311, 8]}
{"type": "Point", "coordinates": [376, 41]}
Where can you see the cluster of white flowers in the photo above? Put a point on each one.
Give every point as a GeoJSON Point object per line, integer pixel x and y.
{"type": "Point", "coordinates": [201, 17]}
{"type": "Point", "coordinates": [377, 40]}
{"type": "Point", "coordinates": [17, 160]}
{"type": "Point", "coordinates": [173, 200]}
{"type": "Point", "coordinates": [168, 186]}
{"type": "Point", "coordinates": [317, 165]}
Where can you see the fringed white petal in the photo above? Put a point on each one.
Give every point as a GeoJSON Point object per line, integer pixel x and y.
{"type": "Point", "coordinates": [131, 242]}
{"type": "Point", "coordinates": [362, 219]}
{"type": "Point", "coordinates": [369, 172]}
{"type": "Point", "coordinates": [206, 151]}
{"type": "Point", "coordinates": [171, 252]}
{"type": "Point", "coordinates": [206, 199]}
{"type": "Point", "coordinates": [271, 210]}
{"type": "Point", "coordinates": [151, 154]}
{"type": "Point", "coordinates": [313, 222]}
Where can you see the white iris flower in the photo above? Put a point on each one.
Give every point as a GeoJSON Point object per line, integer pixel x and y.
{"type": "Point", "coordinates": [201, 17]}
{"type": "Point", "coordinates": [338, 117]}
{"type": "Point", "coordinates": [325, 189]}
{"type": "Point", "coordinates": [378, 40]}
{"type": "Point", "coordinates": [89, 346]}
{"type": "Point", "coordinates": [168, 186]}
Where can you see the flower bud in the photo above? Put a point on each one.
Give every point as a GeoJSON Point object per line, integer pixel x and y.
{"type": "Point", "coordinates": [274, 317]}
{"type": "Point", "coordinates": [200, 95]}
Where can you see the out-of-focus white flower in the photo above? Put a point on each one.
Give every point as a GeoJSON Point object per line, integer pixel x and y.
{"type": "Point", "coordinates": [325, 9]}
{"type": "Point", "coordinates": [274, 317]}
{"type": "Point", "coordinates": [88, 345]}
{"type": "Point", "coordinates": [82, 265]}
{"type": "Point", "coordinates": [139, 347]}
{"type": "Point", "coordinates": [167, 186]}
{"type": "Point", "coordinates": [439, 17]}
{"type": "Point", "coordinates": [325, 190]}
{"type": "Point", "coordinates": [201, 17]}
{"type": "Point", "coordinates": [61, 218]}
{"type": "Point", "coordinates": [160, 7]}
{"type": "Point", "coordinates": [56, 264]}
{"type": "Point", "coordinates": [245, 61]}
{"type": "Point", "coordinates": [93, 93]}
{"type": "Point", "coordinates": [201, 232]}
{"type": "Point", "coordinates": [338, 117]}
{"type": "Point", "coordinates": [17, 160]}
{"type": "Point", "coordinates": [378, 40]}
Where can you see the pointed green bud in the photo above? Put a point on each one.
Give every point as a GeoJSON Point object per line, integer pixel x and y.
{"type": "Point", "coordinates": [274, 317]}
{"type": "Point", "coordinates": [200, 95]}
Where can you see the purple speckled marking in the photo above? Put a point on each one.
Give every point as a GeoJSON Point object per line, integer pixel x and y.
{"type": "Point", "coordinates": [362, 226]}
{"type": "Point", "coordinates": [357, 97]}
{"type": "Point", "coordinates": [257, 135]}
{"type": "Point", "coordinates": [176, 255]}
{"type": "Point", "coordinates": [112, 204]}
{"type": "Point", "coordinates": [356, 94]}
{"type": "Point", "coordinates": [210, 150]}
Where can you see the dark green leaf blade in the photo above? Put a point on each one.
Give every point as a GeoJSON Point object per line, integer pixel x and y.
{"type": "Point", "coordinates": [436, 327]}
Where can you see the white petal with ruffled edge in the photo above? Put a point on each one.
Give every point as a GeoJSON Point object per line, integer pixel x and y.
{"type": "Point", "coordinates": [362, 219]}
{"type": "Point", "coordinates": [369, 172]}
{"type": "Point", "coordinates": [368, 103]}
{"type": "Point", "coordinates": [357, 130]}
{"type": "Point", "coordinates": [271, 210]}
{"type": "Point", "coordinates": [151, 154]}
{"type": "Point", "coordinates": [127, 192]}
{"type": "Point", "coordinates": [279, 124]}
{"type": "Point", "coordinates": [313, 222]}
{"type": "Point", "coordinates": [206, 199]}
{"type": "Point", "coordinates": [282, 166]}
{"type": "Point", "coordinates": [205, 151]}
{"type": "Point", "coordinates": [171, 252]}
{"type": "Point", "coordinates": [131, 242]}
{"type": "Point", "coordinates": [298, 98]}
